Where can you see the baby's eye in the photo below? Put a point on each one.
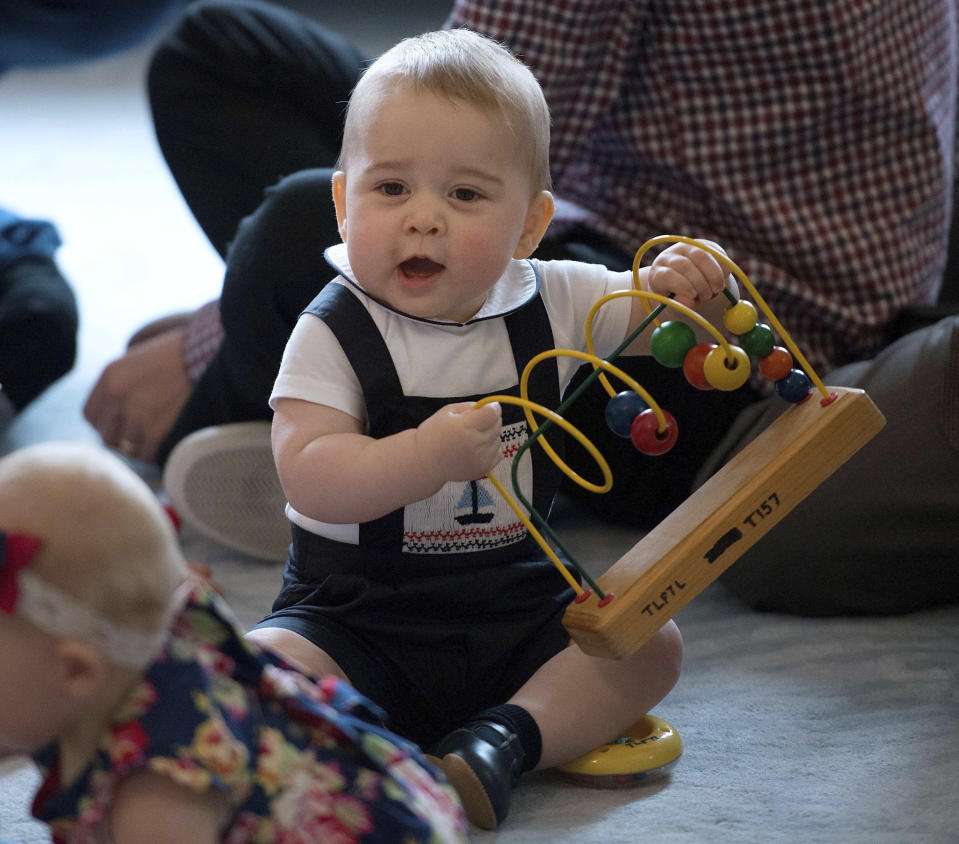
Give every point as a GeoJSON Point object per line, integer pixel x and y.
{"type": "Point", "coordinates": [466, 194]}
{"type": "Point", "coordinates": [392, 188]}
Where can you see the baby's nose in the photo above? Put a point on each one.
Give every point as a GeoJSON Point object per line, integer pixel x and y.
{"type": "Point", "coordinates": [425, 217]}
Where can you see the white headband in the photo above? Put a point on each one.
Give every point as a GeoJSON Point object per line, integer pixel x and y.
{"type": "Point", "coordinates": [59, 614]}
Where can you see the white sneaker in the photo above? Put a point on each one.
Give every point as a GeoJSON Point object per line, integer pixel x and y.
{"type": "Point", "coordinates": [222, 481]}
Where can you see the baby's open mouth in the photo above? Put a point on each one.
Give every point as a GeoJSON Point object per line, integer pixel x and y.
{"type": "Point", "coordinates": [420, 267]}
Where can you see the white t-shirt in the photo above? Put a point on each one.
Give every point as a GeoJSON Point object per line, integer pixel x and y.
{"type": "Point", "coordinates": [438, 359]}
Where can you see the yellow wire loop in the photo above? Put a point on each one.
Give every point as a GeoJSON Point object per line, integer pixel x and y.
{"type": "Point", "coordinates": [528, 407]}
{"type": "Point", "coordinates": [727, 262]}
{"type": "Point", "coordinates": [597, 363]}
{"type": "Point", "coordinates": [531, 407]}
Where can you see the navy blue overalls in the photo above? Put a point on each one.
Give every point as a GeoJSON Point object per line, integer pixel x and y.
{"type": "Point", "coordinates": [432, 637]}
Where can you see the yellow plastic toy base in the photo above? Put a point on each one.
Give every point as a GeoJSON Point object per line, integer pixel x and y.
{"type": "Point", "coordinates": [648, 749]}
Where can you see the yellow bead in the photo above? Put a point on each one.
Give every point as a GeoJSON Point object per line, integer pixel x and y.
{"type": "Point", "coordinates": [740, 318]}
{"type": "Point", "coordinates": [725, 375]}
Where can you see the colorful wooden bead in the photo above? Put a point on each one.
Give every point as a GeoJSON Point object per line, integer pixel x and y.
{"type": "Point", "coordinates": [693, 365]}
{"type": "Point", "coordinates": [794, 387]}
{"type": "Point", "coordinates": [670, 342]}
{"type": "Point", "coordinates": [622, 409]}
{"type": "Point", "coordinates": [647, 437]}
{"type": "Point", "coordinates": [759, 341]}
{"type": "Point", "coordinates": [776, 365]}
{"type": "Point", "coordinates": [740, 318]}
{"type": "Point", "coordinates": [727, 375]}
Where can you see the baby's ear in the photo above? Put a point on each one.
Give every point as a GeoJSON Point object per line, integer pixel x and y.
{"type": "Point", "coordinates": [538, 217]}
{"type": "Point", "coordinates": [339, 201]}
{"type": "Point", "coordinates": [80, 667]}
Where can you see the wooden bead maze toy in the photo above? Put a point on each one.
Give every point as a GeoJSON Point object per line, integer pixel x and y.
{"type": "Point", "coordinates": [738, 505]}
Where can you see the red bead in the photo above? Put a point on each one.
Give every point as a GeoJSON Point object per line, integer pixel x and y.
{"type": "Point", "coordinates": [776, 365]}
{"type": "Point", "coordinates": [693, 365]}
{"type": "Point", "coordinates": [647, 437]}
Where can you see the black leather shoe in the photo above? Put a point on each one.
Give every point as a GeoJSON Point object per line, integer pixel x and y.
{"type": "Point", "coordinates": [483, 761]}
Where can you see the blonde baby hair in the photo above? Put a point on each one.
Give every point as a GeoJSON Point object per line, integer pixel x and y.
{"type": "Point", "coordinates": [466, 67]}
{"type": "Point", "coordinates": [105, 539]}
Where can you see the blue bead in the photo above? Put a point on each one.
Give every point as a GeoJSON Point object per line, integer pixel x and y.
{"type": "Point", "coordinates": [794, 387]}
{"type": "Point", "coordinates": [621, 410]}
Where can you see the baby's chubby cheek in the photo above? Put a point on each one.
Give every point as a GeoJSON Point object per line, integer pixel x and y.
{"type": "Point", "coordinates": [483, 255]}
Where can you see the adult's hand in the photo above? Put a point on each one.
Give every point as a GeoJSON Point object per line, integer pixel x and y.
{"type": "Point", "coordinates": [139, 396]}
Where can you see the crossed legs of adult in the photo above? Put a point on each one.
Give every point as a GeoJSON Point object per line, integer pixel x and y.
{"type": "Point", "coordinates": [242, 93]}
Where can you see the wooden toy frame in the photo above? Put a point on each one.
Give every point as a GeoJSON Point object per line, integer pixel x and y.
{"type": "Point", "coordinates": [699, 540]}
{"type": "Point", "coordinates": [738, 505]}
{"type": "Point", "coordinates": [725, 517]}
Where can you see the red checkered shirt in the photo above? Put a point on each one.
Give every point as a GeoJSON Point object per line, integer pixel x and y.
{"type": "Point", "coordinates": [204, 333]}
{"type": "Point", "coordinates": [813, 140]}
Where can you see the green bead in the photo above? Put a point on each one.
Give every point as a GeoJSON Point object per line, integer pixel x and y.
{"type": "Point", "coordinates": [758, 342]}
{"type": "Point", "coordinates": [670, 343]}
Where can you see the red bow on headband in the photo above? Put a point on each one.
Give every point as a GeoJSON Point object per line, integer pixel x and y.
{"type": "Point", "coordinates": [17, 550]}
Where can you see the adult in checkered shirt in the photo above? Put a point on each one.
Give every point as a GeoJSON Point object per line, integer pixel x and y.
{"type": "Point", "coordinates": [815, 141]}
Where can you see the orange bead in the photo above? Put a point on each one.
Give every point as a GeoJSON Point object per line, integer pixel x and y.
{"type": "Point", "coordinates": [776, 365]}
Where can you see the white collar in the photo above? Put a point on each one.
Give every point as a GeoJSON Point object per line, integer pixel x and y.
{"type": "Point", "coordinates": [517, 286]}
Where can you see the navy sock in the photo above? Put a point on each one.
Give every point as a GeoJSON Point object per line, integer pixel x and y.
{"type": "Point", "coordinates": [518, 721]}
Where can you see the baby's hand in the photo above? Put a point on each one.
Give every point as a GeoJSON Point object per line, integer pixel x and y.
{"type": "Point", "coordinates": [687, 271]}
{"type": "Point", "coordinates": [460, 443]}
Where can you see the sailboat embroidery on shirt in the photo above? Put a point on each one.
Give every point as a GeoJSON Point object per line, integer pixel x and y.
{"type": "Point", "coordinates": [468, 508]}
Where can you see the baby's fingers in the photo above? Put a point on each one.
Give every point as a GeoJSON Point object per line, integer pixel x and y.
{"type": "Point", "coordinates": [691, 274]}
{"type": "Point", "coordinates": [487, 417]}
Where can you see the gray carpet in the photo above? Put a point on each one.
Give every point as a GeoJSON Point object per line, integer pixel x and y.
{"type": "Point", "coordinates": [795, 730]}
{"type": "Point", "coordinates": [842, 730]}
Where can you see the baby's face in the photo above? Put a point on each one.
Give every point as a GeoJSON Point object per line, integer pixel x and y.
{"type": "Point", "coordinates": [434, 201]}
{"type": "Point", "coordinates": [30, 701]}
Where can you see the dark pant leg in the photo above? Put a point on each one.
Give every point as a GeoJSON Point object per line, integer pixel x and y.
{"type": "Point", "coordinates": [41, 32]}
{"type": "Point", "coordinates": [38, 328]}
{"type": "Point", "coordinates": [274, 269]}
{"type": "Point", "coordinates": [881, 535]}
{"type": "Point", "coordinates": [242, 94]}
{"type": "Point", "coordinates": [245, 96]}
{"type": "Point", "coordinates": [38, 310]}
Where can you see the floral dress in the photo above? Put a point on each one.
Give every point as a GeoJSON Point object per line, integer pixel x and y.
{"type": "Point", "coordinates": [300, 761]}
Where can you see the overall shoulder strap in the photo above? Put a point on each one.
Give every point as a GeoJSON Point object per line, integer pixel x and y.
{"type": "Point", "coordinates": [530, 333]}
{"type": "Point", "coordinates": [360, 339]}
